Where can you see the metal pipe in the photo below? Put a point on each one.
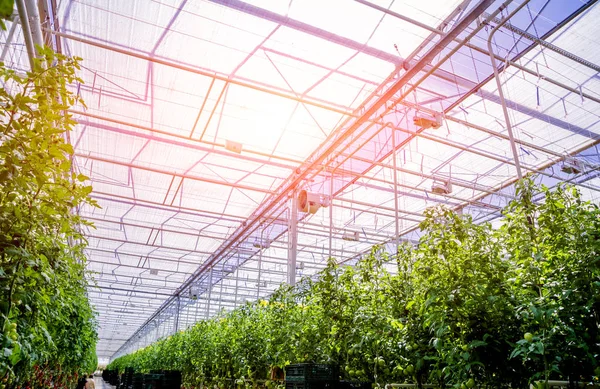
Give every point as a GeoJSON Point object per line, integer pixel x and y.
{"type": "Point", "coordinates": [275, 260]}
{"type": "Point", "coordinates": [236, 156]}
{"type": "Point", "coordinates": [134, 266]}
{"type": "Point", "coordinates": [485, 154]}
{"type": "Point", "coordinates": [330, 213]}
{"type": "Point", "coordinates": [9, 38]}
{"type": "Point", "coordinates": [430, 70]}
{"type": "Point", "coordinates": [381, 207]}
{"type": "Point", "coordinates": [161, 206]}
{"type": "Point", "coordinates": [554, 82]}
{"type": "Point", "coordinates": [438, 29]}
{"type": "Point", "coordinates": [196, 71]}
{"type": "Point", "coordinates": [266, 259]}
{"type": "Point", "coordinates": [259, 265]}
{"type": "Point", "coordinates": [209, 293]}
{"type": "Point", "coordinates": [221, 288]}
{"type": "Point", "coordinates": [306, 229]}
{"type": "Point", "coordinates": [344, 172]}
{"type": "Point", "coordinates": [499, 84]}
{"type": "Point", "coordinates": [149, 245]}
{"type": "Point", "coordinates": [485, 130]}
{"type": "Point", "coordinates": [400, 82]}
{"type": "Point", "coordinates": [396, 226]}
{"type": "Point", "coordinates": [329, 149]}
{"type": "Point", "coordinates": [297, 25]}
{"type": "Point", "coordinates": [33, 12]}
{"type": "Point", "coordinates": [483, 51]}
{"type": "Point", "coordinates": [549, 46]}
{"type": "Point", "coordinates": [506, 184]}
{"type": "Point", "coordinates": [22, 9]}
{"type": "Point", "coordinates": [237, 285]}
{"type": "Point", "coordinates": [197, 144]}
{"type": "Point", "coordinates": [174, 174]}
{"type": "Point", "coordinates": [292, 238]}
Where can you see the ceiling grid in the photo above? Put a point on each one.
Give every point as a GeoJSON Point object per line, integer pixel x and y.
{"type": "Point", "coordinates": [205, 118]}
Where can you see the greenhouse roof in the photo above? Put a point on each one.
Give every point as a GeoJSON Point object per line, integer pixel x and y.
{"type": "Point", "coordinates": [320, 96]}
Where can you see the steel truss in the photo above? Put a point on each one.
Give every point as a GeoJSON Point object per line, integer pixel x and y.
{"type": "Point", "coordinates": [365, 130]}
{"type": "Point", "coordinates": [228, 255]}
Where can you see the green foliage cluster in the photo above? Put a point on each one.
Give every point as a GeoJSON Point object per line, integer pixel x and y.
{"type": "Point", "coordinates": [47, 327]}
{"type": "Point", "coordinates": [6, 10]}
{"type": "Point", "coordinates": [469, 306]}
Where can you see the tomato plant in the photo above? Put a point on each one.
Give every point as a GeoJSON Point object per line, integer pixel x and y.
{"type": "Point", "coordinates": [555, 277]}
{"type": "Point", "coordinates": [468, 306]}
{"type": "Point", "coordinates": [47, 326]}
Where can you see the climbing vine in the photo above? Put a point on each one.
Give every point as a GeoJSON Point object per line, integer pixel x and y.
{"type": "Point", "coordinates": [47, 327]}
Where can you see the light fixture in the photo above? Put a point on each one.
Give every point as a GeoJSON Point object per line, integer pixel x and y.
{"type": "Point", "coordinates": [571, 166]}
{"type": "Point", "coordinates": [261, 243]}
{"type": "Point", "coordinates": [441, 187]}
{"type": "Point", "coordinates": [427, 121]}
{"type": "Point", "coordinates": [193, 293]}
{"type": "Point", "coordinates": [351, 236]}
{"type": "Point", "coordinates": [232, 146]}
{"type": "Point", "coordinates": [154, 272]}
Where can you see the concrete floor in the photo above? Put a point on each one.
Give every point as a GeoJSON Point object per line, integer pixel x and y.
{"type": "Point", "coordinates": [100, 384]}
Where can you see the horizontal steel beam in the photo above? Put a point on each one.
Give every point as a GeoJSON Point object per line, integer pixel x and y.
{"type": "Point", "coordinates": [186, 176]}
{"type": "Point", "coordinates": [184, 141]}
{"type": "Point", "coordinates": [154, 59]}
{"type": "Point", "coordinates": [286, 21]}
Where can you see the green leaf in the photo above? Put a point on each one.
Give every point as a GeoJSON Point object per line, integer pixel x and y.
{"type": "Point", "coordinates": [15, 356]}
{"type": "Point", "coordinates": [6, 9]}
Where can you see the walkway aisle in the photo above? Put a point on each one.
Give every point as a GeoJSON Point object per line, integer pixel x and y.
{"type": "Point", "coordinates": [100, 384]}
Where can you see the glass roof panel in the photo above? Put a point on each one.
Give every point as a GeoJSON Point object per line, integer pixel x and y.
{"type": "Point", "coordinates": [285, 80]}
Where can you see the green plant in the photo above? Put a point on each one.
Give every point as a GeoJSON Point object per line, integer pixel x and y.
{"type": "Point", "coordinates": [469, 306]}
{"type": "Point", "coordinates": [6, 10]}
{"type": "Point", "coordinates": [48, 329]}
{"type": "Point", "coordinates": [555, 275]}
{"type": "Point", "coordinates": [460, 296]}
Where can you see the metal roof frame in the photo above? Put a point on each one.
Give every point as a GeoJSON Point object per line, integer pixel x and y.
{"type": "Point", "coordinates": [181, 211]}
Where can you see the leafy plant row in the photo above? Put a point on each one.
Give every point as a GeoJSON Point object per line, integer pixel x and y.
{"type": "Point", "coordinates": [47, 327]}
{"type": "Point", "coordinates": [468, 306]}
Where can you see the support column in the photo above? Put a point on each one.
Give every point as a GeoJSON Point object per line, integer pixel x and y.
{"type": "Point", "coordinates": [260, 252]}
{"type": "Point", "coordinates": [396, 213]}
{"type": "Point", "coordinates": [207, 314]}
{"type": "Point", "coordinates": [237, 281]}
{"type": "Point", "coordinates": [331, 214]}
{"type": "Point", "coordinates": [177, 314]}
{"type": "Point", "coordinates": [9, 38]}
{"type": "Point", "coordinates": [509, 128]}
{"type": "Point", "coordinates": [221, 286]}
{"type": "Point", "coordinates": [22, 9]}
{"type": "Point", "coordinates": [292, 239]}
{"type": "Point", "coordinates": [35, 24]}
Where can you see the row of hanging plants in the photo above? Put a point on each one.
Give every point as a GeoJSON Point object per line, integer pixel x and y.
{"type": "Point", "coordinates": [47, 327]}
{"type": "Point", "coordinates": [468, 306]}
